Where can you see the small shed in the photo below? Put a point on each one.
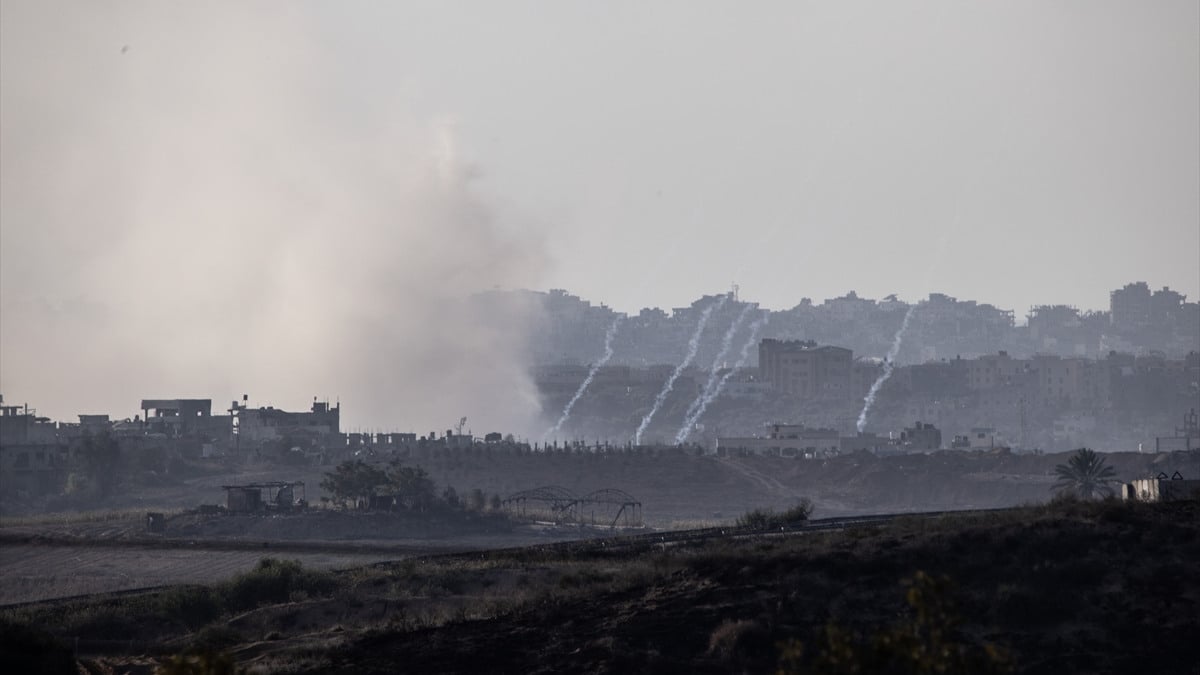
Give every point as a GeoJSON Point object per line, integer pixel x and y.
{"type": "Point", "coordinates": [250, 497]}
{"type": "Point", "coordinates": [1161, 489]}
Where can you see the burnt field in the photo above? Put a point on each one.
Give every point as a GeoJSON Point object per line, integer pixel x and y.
{"type": "Point", "coordinates": [1067, 587]}
{"type": "Point", "coordinates": [110, 552]}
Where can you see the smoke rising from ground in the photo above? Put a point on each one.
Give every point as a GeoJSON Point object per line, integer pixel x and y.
{"type": "Point", "coordinates": [726, 343]}
{"type": "Point", "coordinates": [889, 364]}
{"type": "Point", "coordinates": [711, 395]}
{"type": "Point", "coordinates": [196, 201]}
{"type": "Point", "coordinates": [693, 345]}
{"type": "Point", "coordinates": [587, 381]}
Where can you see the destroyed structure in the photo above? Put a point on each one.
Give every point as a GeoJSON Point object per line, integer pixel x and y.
{"type": "Point", "coordinates": [797, 440]}
{"type": "Point", "coordinates": [37, 454]}
{"type": "Point", "coordinates": [268, 496]}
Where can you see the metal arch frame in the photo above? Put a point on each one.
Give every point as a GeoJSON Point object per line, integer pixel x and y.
{"type": "Point", "coordinates": [563, 506]}
{"type": "Point", "coordinates": [618, 498]}
{"type": "Point", "coordinates": [610, 496]}
{"type": "Point", "coordinates": [558, 499]}
{"type": "Point", "coordinates": [547, 493]}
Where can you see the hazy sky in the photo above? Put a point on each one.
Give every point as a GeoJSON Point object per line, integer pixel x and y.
{"type": "Point", "coordinates": [209, 198]}
{"type": "Point", "coordinates": [1012, 152]}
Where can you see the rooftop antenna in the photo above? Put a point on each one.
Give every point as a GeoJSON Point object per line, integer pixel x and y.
{"type": "Point", "coordinates": [735, 291]}
{"type": "Point", "coordinates": [461, 423]}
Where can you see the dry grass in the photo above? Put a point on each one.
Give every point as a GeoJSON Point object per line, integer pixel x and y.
{"type": "Point", "coordinates": [724, 603]}
{"type": "Point", "coordinates": [68, 518]}
{"type": "Point", "coordinates": [699, 524]}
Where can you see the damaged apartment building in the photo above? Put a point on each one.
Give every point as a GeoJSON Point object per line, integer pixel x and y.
{"type": "Point", "coordinates": [33, 459]}
{"type": "Point", "coordinates": [243, 428]}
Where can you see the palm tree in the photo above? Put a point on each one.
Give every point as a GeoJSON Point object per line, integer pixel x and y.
{"type": "Point", "coordinates": [1086, 475]}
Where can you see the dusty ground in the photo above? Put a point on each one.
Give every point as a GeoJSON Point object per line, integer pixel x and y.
{"type": "Point", "coordinates": [677, 490]}
{"type": "Point", "coordinates": [1098, 588]}
{"type": "Point", "coordinates": [678, 487]}
{"type": "Point", "coordinates": [52, 559]}
{"type": "Point", "coordinates": [38, 572]}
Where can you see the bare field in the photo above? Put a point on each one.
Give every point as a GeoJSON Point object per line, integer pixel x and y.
{"type": "Point", "coordinates": [32, 572]}
{"type": "Point", "coordinates": [674, 485]}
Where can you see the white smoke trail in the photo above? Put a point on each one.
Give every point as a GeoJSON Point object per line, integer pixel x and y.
{"type": "Point", "coordinates": [693, 345]}
{"type": "Point", "coordinates": [608, 353]}
{"type": "Point", "coordinates": [726, 343]}
{"type": "Point", "coordinates": [742, 358]}
{"type": "Point", "coordinates": [889, 364]}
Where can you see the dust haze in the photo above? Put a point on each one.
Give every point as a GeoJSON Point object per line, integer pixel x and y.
{"type": "Point", "coordinates": [197, 200]}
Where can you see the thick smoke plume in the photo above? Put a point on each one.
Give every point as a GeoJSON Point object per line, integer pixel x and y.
{"type": "Point", "coordinates": [587, 381]}
{"type": "Point", "coordinates": [716, 390]}
{"type": "Point", "coordinates": [204, 200]}
{"type": "Point", "coordinates": [889, 364]}
{"type": "Point", "coordinates": [693, 346]}
{"type": "Point", "coordinates": [726, 343]}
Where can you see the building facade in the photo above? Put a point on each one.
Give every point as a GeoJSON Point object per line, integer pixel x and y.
{"type": "Point", "coordinates": [804, 369]}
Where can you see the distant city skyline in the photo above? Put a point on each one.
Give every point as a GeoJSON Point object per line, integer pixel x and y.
{"type": "Point", "coordinates": [1019, 312]}
{"type": "Point", "coordinates": [246, 196]}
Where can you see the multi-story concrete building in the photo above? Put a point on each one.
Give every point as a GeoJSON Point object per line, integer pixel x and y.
{"type": "Point", "coordinates": [801, 368]}
{"type": "Point", "coordinates": [992, 370]}
{"type": "Point", "coordinates": [1130, 306]}
{"type": "Point", "coordinates": [255, 425]}
{"type": "Point", "coordinates": [182, 416]}
{"type": "Point", "coordinates": [32, 459]}
{"type": "Point", "coordinates": [1072, 383]}
{"type": "Point", "coordinates": [922, 437]}
{"type": "Point", "coordinates": [1165, 306]}
{"type": "Point", "coordinates": [863, 374]}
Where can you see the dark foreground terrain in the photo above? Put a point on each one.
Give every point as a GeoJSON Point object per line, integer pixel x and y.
{"type": "Point", "coordinates": [1070, 587]}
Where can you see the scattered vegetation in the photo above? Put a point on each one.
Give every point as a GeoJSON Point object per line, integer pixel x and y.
{"type": "Point", "coordinates": [273, 581]}
{"type": "Point", "coordinates": [356, 481]}
{"type": "Point", "coordinates": [200, 662]}
{"type": "Point", "coordinates": [179, 610]}
{"type": "Point", "coordinates": [733, 640]}
{"type": "Point", "coordinates": [926, 641]}
{"type": "Point", "coordinates": [1072, 586]}
{"type": "Point", "coordinates": [769, 519]}
{"type": "Point", "coordinates": [79, 517]}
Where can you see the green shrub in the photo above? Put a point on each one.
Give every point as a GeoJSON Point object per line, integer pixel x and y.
{"type": "Point", "coordinates": [769, 519]}
{"type": "Point", "coordinates": [273, 581]}
{"type": "Point", "coordinates": [193, 606]}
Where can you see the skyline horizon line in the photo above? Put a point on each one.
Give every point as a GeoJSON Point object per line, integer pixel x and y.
{"type": "Point", "coordinates": [670, 307]}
